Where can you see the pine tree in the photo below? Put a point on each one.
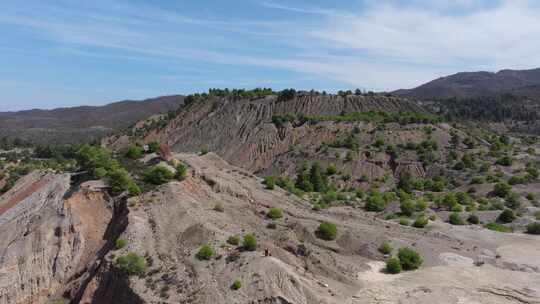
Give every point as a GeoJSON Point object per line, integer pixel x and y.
{"type": "Point", "coordinates": [302, 178]}
{"type": "Point", "coordinates": [317, 179]}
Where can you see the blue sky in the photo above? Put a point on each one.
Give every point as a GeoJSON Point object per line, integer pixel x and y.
{"type": "Point", "coordinates": [66, 53]}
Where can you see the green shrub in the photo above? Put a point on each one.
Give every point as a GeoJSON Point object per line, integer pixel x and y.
{"type": "Point", "coordinates": [473, 219]}
{"type": "Point", "coordinates": [393, 266]}
{"type": "Point", "coordinates": [421, 206]}
{"type": "Point", "coordinates": [420, 222]}
{"type": "Point", "coordinates": [132, 264]}
{"type": "Point", "coordinates": [331, 170]}
{"type": "Point", "coordinates": [455, 219]}
{"type": "Point", "coordinates": [204, 150]}
{"type": "Point", "coordinates": [181, 172]}
{"type": "Point", "coordinates": [153, 147]}
{"type": "Point", "coordinates": [533, 228]}
{"type": "Point", "coordinates": [205, 253]}
{"type": "Point", "coordinates": [133, 189]}
{"type": "Point", "coordinates": [270, 182]}
{"type": "Point", "coordinates": [407, 207]}
{"type": "Point", "coordinates": [457, 208]}
{"type": "Point", "coordinates": [502, 189]}
{"type": "Point", "coordinates": [236, 285]}
{"type": "Point", "coordinates": [375, 203]}
{"type": "Point", "coordinates": [504, 161]}
{"type": "Point", "coordinates": [157, 175]}
{"type": "Point", "coordinates": [497, 227]}
{"type": "Point", "coordinates": [134, 152]}
{"type": "Point", "coordinates": [349, 156]}
{"type": "Point", "coordinates": [327, 231]}
{"type": "Point", "coordinates": [121, 243]}
{"type": "Point", "coordinates": [537, 215]}
{"type": "Point", "coordinates": [404, 222]}
{"type": "Point", "coordinates": [507, 216]}
{"type": "Point", "coordinates": [275, 213]}
{"type": "Point", "coordinates": [234, 240]}
{"type": "Point", "coordinates": [513, 201]}
{"type": "Point", "coordinates": [119, 180]}
{"type": "Point", "coordinates": [250, 242]}
{"type": "Point", "coordinates": [317, 178]}
{"type": "Point", "coordinates": [409, 258]}
{"type": "Point", "coordinates": [385, 248]}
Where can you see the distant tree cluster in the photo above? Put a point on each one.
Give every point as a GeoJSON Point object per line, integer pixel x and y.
{"type": "Point", "coordinates": [100, 164]}
{"type": "Point", "coordinates": [494, 108]}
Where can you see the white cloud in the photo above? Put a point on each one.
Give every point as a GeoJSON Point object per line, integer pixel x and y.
{"type": "Point", "coordinates": [380, 46]}
{"type": "Point", "coordinates": [498, 37]}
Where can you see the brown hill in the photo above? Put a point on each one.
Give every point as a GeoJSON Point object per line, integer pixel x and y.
{"type": "Point", "coordinates": [476, 84]}
{"type": "Point", "coordinates": [269, 135]}
{"type": "Point", "coordinates": [81, 124]}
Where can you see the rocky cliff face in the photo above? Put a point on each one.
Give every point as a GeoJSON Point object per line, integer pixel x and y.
{"type": "Point", "coordinates": [242, 132]}
{"type": "Point", "coordinates": [51, 236]}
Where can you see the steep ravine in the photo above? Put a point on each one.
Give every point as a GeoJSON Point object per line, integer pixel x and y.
{"type": "Point", "coordinates": [102, 282]}
{"type": "Point", "coordinates": [54, 239]}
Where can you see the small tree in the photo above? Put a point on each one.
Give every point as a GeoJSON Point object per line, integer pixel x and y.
{"type": "Point", "coordinates": [205, 253]}
{"type": "Point", "coordinates": [375, 203]}
{"type": "Point", "coordinates": [410, 259]}
{"type": "Point", "coordinates": [507, 216]}
{"type": "Point", "coordinates": [250, 242]}
{"type": "Point", "coordinates": [157, 175]}
{"type": "Point", "coordinates": [393, 266]}
{"type": "Point", "coordinates": [327, 231]}
{"type": "Point", "coordinates": [275, 213]}
{"type": "Point", "coordinates": [303, 178]}
{"type": "Point", "coordinates": [134, 152]}
{"type": "Point", "coordinates": [407, 207]}
{"type": "Point", "coordinates": [473, 219]}
{"type": "Point", "coordinates": [132, 264]}
{"type": "Point", "coordinates": [502, 189]}
{"type": "Point", "coordinates": [513, 201]}
{"type": "Point", "coordinates": [317, 179]}
{"type": "Point", "coordinates": [420, 222]}
{"type": "Point", "coordinates": [331, 170]}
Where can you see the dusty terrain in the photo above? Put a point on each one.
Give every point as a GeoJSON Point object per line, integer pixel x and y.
{"type": "Point", "coordinates": [169, 225]}
{"type": "Point", "coordinates": [59, 242]}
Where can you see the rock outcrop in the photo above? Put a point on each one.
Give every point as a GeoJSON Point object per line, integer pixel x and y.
{"type": "Point", "coordinates": [51, 235]}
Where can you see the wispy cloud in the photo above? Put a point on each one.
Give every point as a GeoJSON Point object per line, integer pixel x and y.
{"type": "Point", "coordinates": [496, 37]}
{"type": "Point", "coordinates": [309, 11]}
{"type": "Point", "coordinates": [379, 45]}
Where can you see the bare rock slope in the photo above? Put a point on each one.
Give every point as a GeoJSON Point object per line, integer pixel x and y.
{"type": "Point", "coordinates": [169, 225]}
{"type": "Point", "coordinates": [241, 131]}
{"type": "Point", "coordinates": [51, 237]}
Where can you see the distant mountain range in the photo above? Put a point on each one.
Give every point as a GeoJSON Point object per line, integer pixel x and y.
{"type": "Point", "coordinates": [479, 84]}
{"type": "Point", "coordinates": [81, 124]}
